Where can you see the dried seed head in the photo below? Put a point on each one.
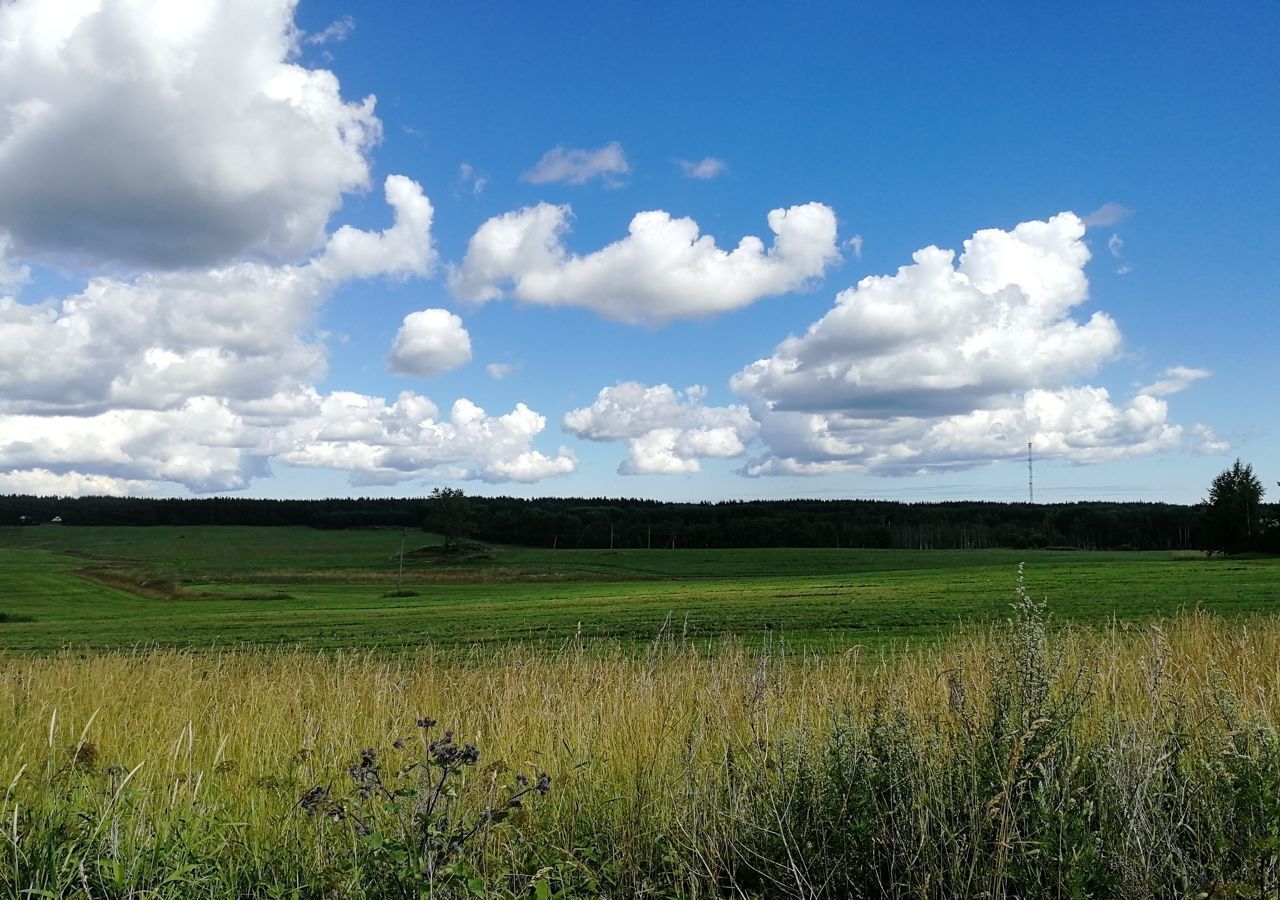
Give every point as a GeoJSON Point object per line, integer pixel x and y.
{"type": "Point", "coordinates": [315, 801]}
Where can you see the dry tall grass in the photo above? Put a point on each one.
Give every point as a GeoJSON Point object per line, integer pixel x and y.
{"type": "Point", "coordinates": [997, 765]}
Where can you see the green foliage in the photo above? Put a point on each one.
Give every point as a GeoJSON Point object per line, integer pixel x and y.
{"type": "Point", "coordinates": [615, 523]}
{"type": "Point", "coordinates": [448, 514]}
{"type": "Point", "coordinates": [410, 824]}
{"type": "Point", "coordinates": [1015, 792]}
{"type": "Point", "coordinates": [1234, 502]}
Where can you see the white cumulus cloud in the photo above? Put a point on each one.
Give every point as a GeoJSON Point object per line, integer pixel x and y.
{"type": "Point", "coordinates": [945, 337]}
{"type": "Point", "coordinates": [212, 444]}
{"type": "Point", "coordinates": [43, 483]}
{"type": "Point", "coordinates": [430, 342]}
{"type": "Point", "coordinates": [403, 250]}
{"type": "Point", "coordinates": [384, 444]}
{"type": "Point", "coordinates": [198, 379]}
{"type": "Point", "coordinates": [183, 138]}
{"type": "Point", "coordinates": [242, 331]}
{"type": "Point", "coordinates": [166, 134]}
{"type": "Point", "coordinates": [664, 269]}
{"type": "Point", "coordinates": [953, 363]}
{"type": "Point", "coordinates": [574, 166]}
{"type": "Point", "coordinates": [667, 431]}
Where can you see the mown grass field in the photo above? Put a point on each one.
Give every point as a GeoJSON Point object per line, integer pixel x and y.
{"type": "Point", "coordinates": [104, 588]}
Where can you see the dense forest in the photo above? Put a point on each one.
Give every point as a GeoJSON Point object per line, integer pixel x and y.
{"type": "Point", "coordinates": [626, 523]}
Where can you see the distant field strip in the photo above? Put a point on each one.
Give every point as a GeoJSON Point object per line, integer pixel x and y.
{"type": "Point", "coordinates": [105, 588]}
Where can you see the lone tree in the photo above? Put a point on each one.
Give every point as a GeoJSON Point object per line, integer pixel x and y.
{"type": "Point", "coordinates": [1234, 497]}
{"type": "Point", "coordinates": [448, 514]}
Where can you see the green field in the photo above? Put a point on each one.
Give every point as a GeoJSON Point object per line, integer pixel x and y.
{"type": "Point", "coordinates": [101, 588]}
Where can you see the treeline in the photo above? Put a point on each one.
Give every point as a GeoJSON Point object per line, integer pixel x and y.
{"type": "Point", "coordinates": [624, 523]}
{"type": "Point", "coordinates": [332, 513]}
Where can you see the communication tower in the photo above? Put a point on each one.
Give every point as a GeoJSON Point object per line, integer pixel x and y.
{"type": "Point", "coordinates": [1031, 477]}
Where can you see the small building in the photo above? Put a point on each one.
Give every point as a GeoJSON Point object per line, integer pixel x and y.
{"type": "Point", "coordinates": [56, 520]}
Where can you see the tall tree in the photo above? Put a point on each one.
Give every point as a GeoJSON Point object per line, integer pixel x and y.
{"type": "Point", "coordinates": [449, 515]}
{"type": "Point", "coordinates": [1233, 501]}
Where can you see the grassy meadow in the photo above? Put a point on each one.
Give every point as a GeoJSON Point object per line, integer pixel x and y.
{"type": "Point", "coordinates": [104, 588]}
{"type": "Point", "coordinates": [232, 712]}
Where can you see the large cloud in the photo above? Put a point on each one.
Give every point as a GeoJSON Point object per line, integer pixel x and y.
{"type": "Point", "coordinates": [1078, 425]}
{"type": "Point", "coordinates": [186, 139]}
{"type": "Point", "coordinates": [950, 364]}
{"type": "Point", "coordinates": [43, 483]}
{"type": "Point", "coordinates": [170, 134]}
{"type": "Point", "coordinates": [214, 444]}
{"type": "Point", "coordinates": [240, 331]}
{"type": "Point", "coordinates": [666, 431]}
{"type": "Point", "coordinates": [200, 378]}
{"type": "Point", "coordinates": [380, 443]}
{"type": "Point", "coordinates": [663, 270]}
{"type": "Point", "coordinates": [944, 338]}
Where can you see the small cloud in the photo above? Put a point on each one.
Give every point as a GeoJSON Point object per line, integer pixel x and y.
{"type": "Point", "coordinates": [335, 32]}
{"type": "Point", "coordinates": [469, 177]}
{"type": "Point", "coordinates": [1207, 441]}
{"type": "Point", "coordinates": [1108, 213]}
{"type": "Point", "coordinates": [855, 244]}
{"type": "Point", "coordinates": [430, 343]}
{"type": "Point", "coordinates": [704, 169]}
{"type": "Point", "coordinates": [1173, 380]}
{"type": "Point", "coordinates": [1115, 244]}
{"type": "Point", "coordinates": [499, 371]}
{"type": "Point", "coordinates": [667, 431]}
{"type": "Point", "coordinates": [574, 166]}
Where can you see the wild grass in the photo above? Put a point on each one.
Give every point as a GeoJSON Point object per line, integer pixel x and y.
{"type": "Point", "coordinates": [1029, 760]}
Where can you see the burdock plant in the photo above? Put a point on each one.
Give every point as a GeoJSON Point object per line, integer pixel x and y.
{"type": "Point", "coordinates": [410, 822]}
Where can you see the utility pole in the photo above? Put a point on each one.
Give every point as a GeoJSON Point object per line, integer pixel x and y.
{"type": "Point", "coordinates": [1031, 485]}
{"type": "Point", "coordinates": [400, 576]}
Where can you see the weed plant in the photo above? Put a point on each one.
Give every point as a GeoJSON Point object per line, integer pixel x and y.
{"type": "Point", "coordinates": [1028, 760]}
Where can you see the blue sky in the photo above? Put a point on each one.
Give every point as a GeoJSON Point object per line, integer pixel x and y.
{"type": "Point", "coordinates": [327, 249]}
